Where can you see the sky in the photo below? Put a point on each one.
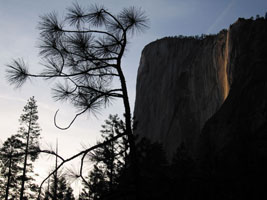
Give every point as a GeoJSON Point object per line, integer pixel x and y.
{"type": "Point", "coordinates": [19, 39]}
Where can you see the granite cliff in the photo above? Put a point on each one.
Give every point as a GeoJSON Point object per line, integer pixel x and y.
{"type": "Point", "coordinates": [183, 82]}
{"type": "Point", "coordinates": [211, 95]}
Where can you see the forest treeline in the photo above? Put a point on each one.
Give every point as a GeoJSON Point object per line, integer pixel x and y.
{"type": "Point", "coordinates": [110, 176]}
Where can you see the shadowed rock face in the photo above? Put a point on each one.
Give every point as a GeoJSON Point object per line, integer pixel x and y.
{"type": "Point", "coordinates": [232, 147]}
{"type": "Point", "coordinates": [183, 96]}
{"type": "Point", "coordinates": [181, 83]}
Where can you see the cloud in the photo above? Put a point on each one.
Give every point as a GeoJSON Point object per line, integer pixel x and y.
{"type": "Point", "coordinates": [221, 16]}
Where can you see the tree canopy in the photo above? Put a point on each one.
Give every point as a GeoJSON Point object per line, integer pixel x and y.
{"type": "Point", "coordinates": [84, 51]}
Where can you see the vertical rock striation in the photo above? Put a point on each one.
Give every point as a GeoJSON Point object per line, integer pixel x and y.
{"type": "Point", "coordinates": [181, 83]}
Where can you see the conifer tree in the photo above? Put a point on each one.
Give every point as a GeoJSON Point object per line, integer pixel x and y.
{"type": "Point", "coordinates": [2, 192]}
{"type": "Point", "coordinates": [29, 133]}
{"type": "Point", "coordinates": [97, 186]}
{"type": "Point", "coordinates": [109, 161]}
{"type": "Point", "coordinates": [18, 154]}
{"type": "Point", "coordinates": [62, 191]}
{"type": "Point", "coordinates": [58, 188]}
{"type": "Point", "coordinates": [10, 167]}
{"type": "Point", "coordinates": [85, 50]}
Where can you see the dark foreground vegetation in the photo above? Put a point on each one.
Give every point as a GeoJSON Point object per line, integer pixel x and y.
{"type": "Point", "coordinates": [110, 177]}
{"type": "Point", "coordinates": [84, 51]}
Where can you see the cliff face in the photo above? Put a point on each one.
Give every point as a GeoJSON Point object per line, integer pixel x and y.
{"type": "Point", "coordinates": [183, 82]}
{"type": "Point", "coordinates": [211, 95]}
{"type": "Point", "coordinates": [232, 147]}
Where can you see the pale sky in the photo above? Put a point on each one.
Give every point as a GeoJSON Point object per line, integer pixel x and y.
{"type": "Point", "coordinates": [19, 39]}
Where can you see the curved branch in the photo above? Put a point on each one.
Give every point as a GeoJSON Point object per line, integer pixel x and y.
{"type": "Point", "coordinates": [41, 185]}
{"type": "Point", "coordinates": [52, 153]}
{"type": "Point", "coordinates": [72, 121]}
{"type": "Point", "coordinates": [84, 152]}
{"type": "Point", "coordinates": [87, 107]}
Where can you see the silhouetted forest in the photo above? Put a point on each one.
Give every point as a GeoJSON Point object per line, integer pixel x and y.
{"type": "Point", "coordinates": [110, 177]}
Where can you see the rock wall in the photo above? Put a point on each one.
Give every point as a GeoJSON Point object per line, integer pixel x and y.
{"type": "Point", "coordinates": [232, 148]}
{"type": "Point", "coordinates": [211, 95]}
{"type": "Point", "coordinates": [181, 83]}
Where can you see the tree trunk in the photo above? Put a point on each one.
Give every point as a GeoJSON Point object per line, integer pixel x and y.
{"type": "Point", "coordinates": [56, 178]}
{"type": "Point", "coordinates": [129, 133]}
{"type": "Point", "coordinates": [112, 166]}
{"type": "Point", "coordinates": [25, 162]}
{"type": "Point", "coordinates": [128, 124]}
{"type": "Point", "coordinates": [9, 176]}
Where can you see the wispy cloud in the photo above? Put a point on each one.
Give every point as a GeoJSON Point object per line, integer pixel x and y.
{"type": "Point", "coordinates": [10, 98]}
{"type": "Point", "coordinates": [221, 16]}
